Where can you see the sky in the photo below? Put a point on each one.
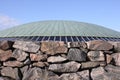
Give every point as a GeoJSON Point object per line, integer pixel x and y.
{"type": "Point", "coordinates": [101, 12]}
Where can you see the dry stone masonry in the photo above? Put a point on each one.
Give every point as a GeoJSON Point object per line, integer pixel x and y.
{"type": "Point", "coordinates": [49, 60]}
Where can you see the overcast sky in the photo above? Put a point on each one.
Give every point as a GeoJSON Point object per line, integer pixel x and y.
{"type": "Point", "coordinates": [101, 12]}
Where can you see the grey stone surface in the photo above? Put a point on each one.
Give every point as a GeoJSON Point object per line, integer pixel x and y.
{"type": "Point", "coordinates": [84, 75]}
{"type": "Point", "coordinates": [28, 46]}
{"type": "Point", "coordinates": [109, 52]}
{"type": "Point", "coordinates": [90, 64]}
{"type": "Point", "coordinates": [70, 76]}
{"type": "Point", "coordinates": [24, 69]}
{"type": "Point", "coordinates": [111, 76]}
{"type": "Point", "coordinates": [4, 45]}
{"type": "Point", "coordinates": [13, 64]}
{"type": "Point", "coordinates": [39, 74]}
{"type": "Point", "coordinates": [38, 64]}
{"type": "Point", "coordinates": [98, 73]}
{"type": "Point", "coordinates": [111, 68]}
{"type": "Point", "coordinates": [112, 72]}
{"type": "Point", "coordinates": [52, 48]}
{"type": "Point", "coordinates": [99, 45]}
{"type": "Point", "coordinates": [108, 58]}
{"type": "Point", "coordinates": [38, 57]}
{"type": "Point", "coordinates": [96, 56]}
{"type": "Point", "coordinates": [116, 58]}
{"type": "Point", "coordinates": [55, 59]}
{"type": "Point", "coordinates": [103, 63]}
{"type": "Point", "coordinates": [19, 55]}
{"type": "Point", "coordinates": [65, 67]}
{"type": "Point", "coordinates": [5, 55]}
{"type": "Point", "coordinates": [10, 72]}
{"type": "Point", "coordinates": [74, 44]}
{"type": "Point", "coordinates": [84, 50]}
{"type": "Point", "coordinates": [63, 55]}
{"type": "Point", "coordinates": [6, 78]}
{"type": "Point", "coordinates": [76, 55]}
{"type": "Point", "coordinates": [77, 44]}
{"type": "Point", "coordinates": [27, 61]}
{"type": "Point", "coordinates": [116, 46]}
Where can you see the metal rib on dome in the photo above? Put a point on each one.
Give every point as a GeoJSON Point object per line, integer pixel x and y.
{"type": "Point", "coordinates": [60, 31]}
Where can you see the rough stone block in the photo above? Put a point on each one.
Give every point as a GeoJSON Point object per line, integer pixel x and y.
{"type": "Point", "coordinates": [111, 68]}
{"type": "Point", "coordinates": [5, 55]}
{"type": "Point", "coordinates": [70, 76]}
{"type": "Point", "coordinates": [66, 67]}
{"type": "Point", "coordinates": [56, 59]}
{"type": "Point", "coordinates": [19, 55]}
{"type": "Point", "coordinates": [24, 69]}
{"type": "Point", "coordinates": [76, 55]}
{"type": "Point", "coordinates": [52, 48]}
{"type": "Point", "coordinates": [39, 74]}
{"type": "Point", "coordinates": [111, 76]}
{"type": "Point", "coordinates": [98, 73]}
{"type": "Point", "coordinates": [96, 56]}
{"type": "Point", "coordinates": [108, 58]}
{"type": "Point", "coordinates": [112, 73]}
{"type": "Point", "coordinates": [90, 64]}
{"type": "Point", "coordinates": [28, 46]}
{"type": "Point", "coordinates": [116, 46]}
{"type": "Point", "coordinates": [116, 58]}
{"type": "Point", "coordinates": [6, 78]}
{"type": "Point", "coordinates": [38, 64]}
{"type": "Point", "coordinates": [37, 57]}
{"type": "Point", "coordinates": [84, 75]}
{"type": "Point", "coordinates": [10, 72]}
{"type": "Point", "coordinates": [78, 44]}
{"type": "Point", "coordinates": [13, 64]}
{"type": "Point", "coordinates": [4, 45]}
{"type": "Point", "coordinates": [99, 45]}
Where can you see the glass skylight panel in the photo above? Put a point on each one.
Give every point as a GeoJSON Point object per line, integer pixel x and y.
{"type": "Point", "coordinates": [57, 38]}
{"type": "Point", "coordinates": [40, 38]}
{"type": "Point", "coordinates": [69, 38]}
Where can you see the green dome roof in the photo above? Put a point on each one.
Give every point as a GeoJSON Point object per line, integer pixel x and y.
{"type": "Point", "coordinates": [59, 28]}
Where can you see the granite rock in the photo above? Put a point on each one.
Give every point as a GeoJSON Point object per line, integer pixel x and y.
{"type": "Point", "coordinates": [66, 67]}
{"type": "Point", "coordinates": [5, 55]}
{"type": "Point", "coordinates": [55, 59]}
{"type": "Point", "coordinates": [19, 55]}
{"type": "Point", "coordinates": [84, 75]}
{"type": "Point", "coordinates": [39, 74]}
{"type": "Point", "coordinates": [116, 46]}
{"type": "Point", "coordinates": [99, 45]}
{"type": "Point", "coordinates": [116, 58]}
{"type": "Point", "coordinates": [27, 46]}
{"type": "Point", "coordinates": [98, 73]}
{"type": "Point", "coordinates": [90, 64]}
{"type": "Point", "coordinates": [38, 64]}
{"type": "Point", "coordinates": [96, 56]}
{"type": "Point", "coordinates": [52, 48]}
{"type": "Point", "coordinates": [13, 64]}
{"type": "Point", "coordinates": [37, 57]}
{"type": "Point", "coordinates": [4, 45]}
{"type": "Point", "coordinates": [76, 55]}
{"type": "Point", "coordinates": [70, 76]}
{"type": "Point", "coordinates": [77, 45]}
{"type": "Point", "coordinates": [11, 73]}
{"type": "Point", "coordinates": [111, 68]}
{"type": "Point", "coordinates": [108, 58]}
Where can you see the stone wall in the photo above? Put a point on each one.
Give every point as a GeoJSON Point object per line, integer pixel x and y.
{"type": "Point", "coordinates": [27, 60]}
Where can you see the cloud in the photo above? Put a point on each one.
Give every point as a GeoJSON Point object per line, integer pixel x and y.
{"type": "Point", "coordinates": [7, 22]}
